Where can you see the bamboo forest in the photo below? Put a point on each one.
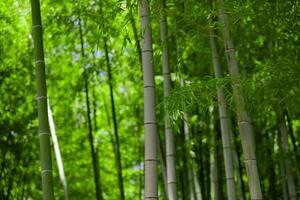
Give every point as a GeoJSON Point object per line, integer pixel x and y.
{"type": "Point", "coordinates": [150, 99]}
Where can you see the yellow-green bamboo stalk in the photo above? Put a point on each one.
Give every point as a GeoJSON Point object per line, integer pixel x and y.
{"type": "Point", "coordinates": [44, 132]}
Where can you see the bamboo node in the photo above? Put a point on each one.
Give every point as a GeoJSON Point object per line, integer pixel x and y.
{"type": "Point", "coordinates": [36, 26]}
{"type": "Point", "coordinates": [147, 50]}
{"type": "Point", "coordinates": [46, 171]}
{"type": "Point", "coordinates": [144, 16]}
{"type": "Point", "coordinates": [40, 97]}
{"type": "Point", "coordinates": [39, 61]}
{"type": "Point", "coordinates": [170, 155]}
{"type": "Point", "coordinates": [230, 50]}
{"type": "Point", "coordinates": [151, 197]}
{"type": "Point", "coordinates": [243, 122]}
{"type": "Point", "coordinates": [149, 86]}
{"type": "Point", "coordinates": [223, 117]}
{"type": "Point", "coordinates": [151, 160]}
{"type": "Point", "coordinates": [250, 159]}
{"type": "Point", "coordinates": [44, 133]}
{"type": "Point", "coordinates": [145, 123]}
{"type": "Point", "coordinates": [172, 182]}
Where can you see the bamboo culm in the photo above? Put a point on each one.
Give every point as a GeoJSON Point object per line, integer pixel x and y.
{"type": "Point", "coordinates": [288, 172]}
{"type": "Point", "coordinates": [194, 185]}
{"type": "Point", "coordinates": [170, 139]}
{"type": "Point", "coordinates": [224, 120]}
{"type": "Point", "coordinates": [89, 122]}
{"type": "Point", "coordinates": [293, 139]}
{"type": "Point", "coordinates": [244, 120]}
{"type": "Point", "coordinates": [44, 132]}
{"type": "Point", "coordinates": [149, 104]}
{"type": "Point", "coordinates": [162, 160]}
{"type": "Point", "coordinates": [284, 186]}
{"type": "Point", "coordinates": [215, 176]}
{"type": "Point", "coordinates": [114, 117]}
{"type": "Point", "coordinates": [58, 158]}
{"type": "Point", "coordinates": [97, 148]}
{"type": "Point", "coordinates": [237, 159]}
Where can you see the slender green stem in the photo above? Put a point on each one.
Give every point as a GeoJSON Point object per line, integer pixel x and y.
{"type": "Point", "coordinates": [89, 122]}
{"type": "Point", "coordinates": [114, 117]}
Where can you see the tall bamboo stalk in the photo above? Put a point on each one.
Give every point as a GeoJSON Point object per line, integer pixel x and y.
{"type": "Point", "coordinates": [190, 170]}
{"type": "Point", "coordinates": [183, 169]}
{"type": "Point", "coordinates": [59, 161]}
{"type": "Point", "coordinates": [192, 182]}
{"type": "Point", "coordinates": [89, 122]}
{"type": "Point", "coordinates": [194, 185]}
{"type": "Point", "coordinates": [293, 139]}
{"type": "Point", "coordinates": [215, 175]}
{"type": "Point", "coordinates": [162, 159]}
{"type": "Point", "coordinates": [244, 120]}
{"type": "Point", "coordinates": [114, 117]}
{"type": "Point", "coordinates": [224, 120]}
{"type": "Point", "coordinates": [149, 104]}
{"type": "Point", "coordinates": [140, 151]}
{"type": "Point", "coordinates": [284, 186]}
{"type": "Point", "coordinates": [139, 51]}
{"type": "Point", "coordinates": [197, 187]}
{"type": "Point", "coordinates": [271, 167]}
{"type": "Point", "coordinates": [238, 164]}
{"type": "Point", "coordinates": [287, 162]}
{"type": "Point", "coordinates": [97, 148]}
{"type": "Point", "coordinates": [44, 132]}
{"type": "Point", "coordinates": [170, 140]}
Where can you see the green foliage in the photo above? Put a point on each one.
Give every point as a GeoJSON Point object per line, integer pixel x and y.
{"type": "Point", "coordinates": [266, 36]}
{"type": "Point", "coordinates": [198, 95]}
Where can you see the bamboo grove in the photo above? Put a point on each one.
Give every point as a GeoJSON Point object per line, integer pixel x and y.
{"type": "Point", "coordinates": [161, 99]}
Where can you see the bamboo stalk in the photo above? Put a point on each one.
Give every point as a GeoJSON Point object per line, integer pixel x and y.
{"type": "Point", "coordinates": [149, 104]}
{"type": "Point", "coordinates": [89, 122]}
{"type": "Point", "coordinates": [224, 120]}
{"type": "Point", "coordinates": [287, 162]}
{"type": "Point", "coordinates": [59, 161]}
{"type": "Point", "coordinates": [244, 120]}
{"type": "Point", "coordinates": [170, 140]}
{"type": "Point", "coordinates": [115, 124]}
{"type": "Point", "coordinates": [44, 132]}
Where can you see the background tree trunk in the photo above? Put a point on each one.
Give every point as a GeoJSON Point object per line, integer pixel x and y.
{"type": "Point", "coordinates": [89, 122]}
{"type": "Point", "coordinates": [114, 117]}
{"type": "Point", "coordinates": [59, 161]}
